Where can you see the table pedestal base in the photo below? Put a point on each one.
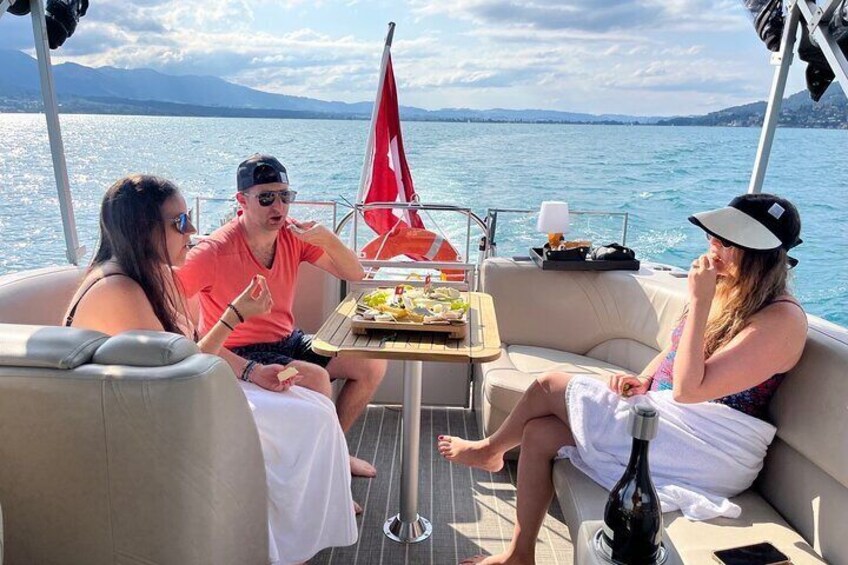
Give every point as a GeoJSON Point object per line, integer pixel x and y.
{"type": "Point", "coordinates": [408, 526]}
{"type": "Point", "coordinates": [407, 532]}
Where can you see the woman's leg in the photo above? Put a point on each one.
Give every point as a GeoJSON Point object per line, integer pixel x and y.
{"type": "Point", "coordinates": [541, 440]}
{"type": "Point", "coordinates": [545, 397]}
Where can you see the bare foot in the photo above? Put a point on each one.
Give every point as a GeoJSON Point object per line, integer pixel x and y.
{"type": "Point", "coordinates": [357, 509]}
{"type": "Point", "coordinates": [470, 453]}
{"type": "Point", "coordinates": [502, 559]}
{"type": "Point", "coordinates": [361, 468]}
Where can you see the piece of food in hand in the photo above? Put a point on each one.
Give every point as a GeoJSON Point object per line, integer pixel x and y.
{"type": "Point", "coordinates": [286, 374]}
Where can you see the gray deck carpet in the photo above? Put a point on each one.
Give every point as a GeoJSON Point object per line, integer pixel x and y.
{"type": "Point", "coordinates": [472, 511]}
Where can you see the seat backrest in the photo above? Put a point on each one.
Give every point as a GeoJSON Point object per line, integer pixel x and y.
{"type": "Point", "coordinates": [129, 449]}
{"type": "Point", "coordinates": [38, 297]}
{"type": "Point", "coordinates": [621, 317]}
{"type": "Point", "coordinates": [41, 296]}
{"type": "Point", "coordinates": [806, 470]}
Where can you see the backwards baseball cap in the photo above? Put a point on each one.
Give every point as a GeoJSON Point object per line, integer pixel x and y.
{"type": "Point", "coordinates": [260, 169]}
{"type": "Point", "coordinates": [756, 222]}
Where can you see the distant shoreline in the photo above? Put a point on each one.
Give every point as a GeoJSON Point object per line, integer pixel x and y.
{"type": "Point", "coordinates": [6, 112]}
{"type": "Point", "coordinates": [132, 108]}
{"type": "Point", "coordinates": [832, 117]}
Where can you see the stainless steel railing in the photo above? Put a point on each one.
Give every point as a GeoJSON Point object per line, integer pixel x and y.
{"type": "Point", "coordinates": [486, 245]}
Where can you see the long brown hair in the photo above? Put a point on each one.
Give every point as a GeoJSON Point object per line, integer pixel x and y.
{"type": "Point", "coordinates": [133, 234]}
{"type": "Point", "coordinates": [760, 277]}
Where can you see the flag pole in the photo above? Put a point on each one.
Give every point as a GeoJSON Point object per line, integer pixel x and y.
{"type": "Point", "coordinates": [369, 146]}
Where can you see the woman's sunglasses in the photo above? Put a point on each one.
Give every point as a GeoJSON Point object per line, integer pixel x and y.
{"type": "Point", "coordinates": [724, 243]}
{"type": "Point", "coordinates": [183, 222]}
{"type": "Point", "coordinates": [267, 198]}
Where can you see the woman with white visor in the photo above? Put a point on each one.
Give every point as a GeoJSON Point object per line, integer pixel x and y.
{"type": "Point", "coordinates": [740, 333]}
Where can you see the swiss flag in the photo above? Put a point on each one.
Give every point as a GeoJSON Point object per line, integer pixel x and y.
{"type": "Point", "coordinates": [387, 176]}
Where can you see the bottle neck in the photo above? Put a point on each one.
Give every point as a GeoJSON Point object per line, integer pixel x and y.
{"type": "Point", "coordinates": [638, 455]}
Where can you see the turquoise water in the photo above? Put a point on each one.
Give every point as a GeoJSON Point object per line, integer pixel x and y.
{"type": "Point", "coordinates": [658, 175]}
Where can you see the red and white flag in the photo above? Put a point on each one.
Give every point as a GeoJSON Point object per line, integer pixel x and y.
{"type": "Point", "coordinates": [386, 176]}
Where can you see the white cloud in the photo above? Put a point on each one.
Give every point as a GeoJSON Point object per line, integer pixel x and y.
{"type": "Point", "coordinates": [591, 15]}
{"type": "Point", "coordinates": [602, 56]}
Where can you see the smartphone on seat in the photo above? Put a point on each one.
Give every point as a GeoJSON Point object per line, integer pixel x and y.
{"type": "Point", "coordinates": [756, 554]}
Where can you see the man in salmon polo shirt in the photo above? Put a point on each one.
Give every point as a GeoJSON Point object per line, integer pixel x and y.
{"type": "Point", "coordinates": [264, 240]}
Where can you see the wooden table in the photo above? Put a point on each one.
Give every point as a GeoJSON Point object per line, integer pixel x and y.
{"type": "Point", "coordinates": [483, 343]}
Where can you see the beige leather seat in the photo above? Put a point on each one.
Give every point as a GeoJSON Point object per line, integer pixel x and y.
{"type": "Point", "coordinates": [597, 323]}
{"type": "Point", "coordinates": [130, 449]}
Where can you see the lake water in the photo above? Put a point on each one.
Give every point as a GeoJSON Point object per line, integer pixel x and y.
{"type": "Point", "coordinates": [659, 175]}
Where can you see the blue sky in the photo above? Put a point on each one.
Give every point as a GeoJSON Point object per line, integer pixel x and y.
{"type": "Point", "coordinates": [643, 57]}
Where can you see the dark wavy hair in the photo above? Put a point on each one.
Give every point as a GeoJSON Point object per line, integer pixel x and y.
{"type": "Point", "coordinates": [133, 234]}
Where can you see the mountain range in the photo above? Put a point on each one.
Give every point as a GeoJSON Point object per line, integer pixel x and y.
{"type": "Point", "coordinates": [797, 110]}
{"type": "Point", "coordinates": [109, 90]}
{"type": "Point", "coordinates": [112, 90]}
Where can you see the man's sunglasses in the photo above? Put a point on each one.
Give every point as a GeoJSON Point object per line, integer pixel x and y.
{"type": "Point", "coordinates": [183, 222]}
{"type": "Point", "coordinates": [724, 243]}
{"type": "Point", "coordinates": [267, 198]}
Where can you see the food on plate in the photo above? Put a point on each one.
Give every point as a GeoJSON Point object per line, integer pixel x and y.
{"type": "Point", "coordinates": [442, 305]}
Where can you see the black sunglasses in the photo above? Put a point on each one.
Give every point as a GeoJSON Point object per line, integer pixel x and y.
{"type": "Point", "coordinates": [267, 198]}
{"type": "Point", "coordinates": [724, 243]}
{"type": "Point", "coordinates": [183, 222]}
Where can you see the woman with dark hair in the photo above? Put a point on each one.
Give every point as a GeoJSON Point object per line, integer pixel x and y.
{"type": "Point", "coordinates": [144, 233]}
{"type": "Point", "coordinates": [740, 333]}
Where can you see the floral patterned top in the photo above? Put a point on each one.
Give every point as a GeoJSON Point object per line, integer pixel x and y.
{"type": "Point", "coordinates": [753, 401]}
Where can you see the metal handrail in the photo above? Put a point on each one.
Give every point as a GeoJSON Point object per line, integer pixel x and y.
{"type": "Point", "coordinates": [471, 218]}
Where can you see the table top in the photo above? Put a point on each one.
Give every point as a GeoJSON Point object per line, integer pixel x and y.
{"type": "Point", "coordinates": [483, 342]}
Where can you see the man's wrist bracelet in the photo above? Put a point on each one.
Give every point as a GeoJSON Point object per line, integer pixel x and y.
{"type": "Point", "coordinates": [223, 321]}
{"type": "Point", "coordinates": [237, 313]}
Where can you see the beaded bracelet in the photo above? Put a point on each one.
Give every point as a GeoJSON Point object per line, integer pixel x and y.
{"type": "Point", "coordinates": [238, 314]}
{"type": "Point", "coordinates": [245, 373]}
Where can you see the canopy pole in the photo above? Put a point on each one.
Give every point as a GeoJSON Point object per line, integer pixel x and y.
{"type": "Point", "coordinates": [57, 149]}
{"type": "Point", "coordinates": [4, 5]}
{"type": "Point", "coordinates": [783, 59]}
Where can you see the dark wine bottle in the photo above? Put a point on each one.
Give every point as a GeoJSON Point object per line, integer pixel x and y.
{"type": "Point", "coordinates": [632, 530]}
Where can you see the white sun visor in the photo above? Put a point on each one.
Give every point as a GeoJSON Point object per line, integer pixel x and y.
{"type": "Point", "coordinates": [736, 227]}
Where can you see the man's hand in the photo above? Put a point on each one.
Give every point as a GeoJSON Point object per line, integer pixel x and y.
{"type": "Point", "coordinates": [266, 377]}
{"type": "Point", "coordinates": [627, 385]}
{"type": "Point", "coordinates": [312, 233]}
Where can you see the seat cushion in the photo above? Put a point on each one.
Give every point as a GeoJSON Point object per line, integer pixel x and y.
{"type": "Point", "coordinates": [582, 502]}
{"type": "Point", "coordinates": [506, 379]}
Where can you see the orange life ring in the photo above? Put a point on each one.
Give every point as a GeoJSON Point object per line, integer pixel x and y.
{"type": "Point", "coordinates": [417, 244]}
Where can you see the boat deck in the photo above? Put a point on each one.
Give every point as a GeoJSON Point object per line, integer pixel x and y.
{"type": "Point", "coordinates": [472, 511]}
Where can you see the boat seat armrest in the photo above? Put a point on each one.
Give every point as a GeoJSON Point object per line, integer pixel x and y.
{"type": "Point", "coordinates": [143, 348]}
{"type": "Point", "coordinates": [50, 347]}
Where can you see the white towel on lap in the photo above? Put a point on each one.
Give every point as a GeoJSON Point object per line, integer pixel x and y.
{"type": "Point", "coordinates": [308, 471]}
{"type": "Point", "coordinates": [703, 454]}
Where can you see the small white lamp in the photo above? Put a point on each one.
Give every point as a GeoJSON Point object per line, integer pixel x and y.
{"type": "Point", "coordinates": [553, 220]}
